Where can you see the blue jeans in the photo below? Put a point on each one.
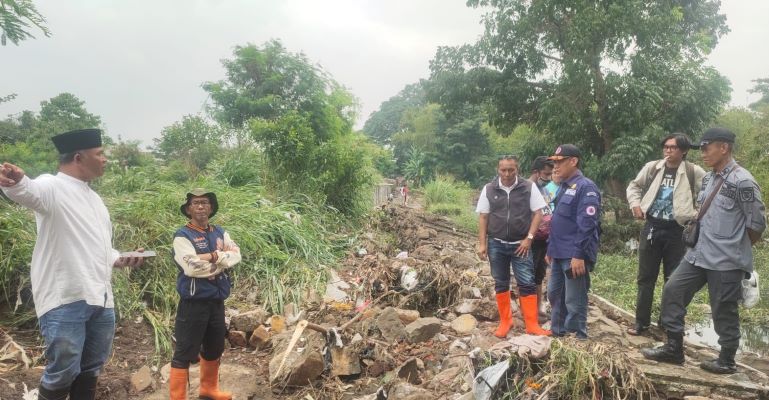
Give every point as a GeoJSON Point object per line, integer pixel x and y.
{"type": "Point", "coordinates": [501, 255]}
{"type": "Point", "coordinates": [78, 340]}
{"type": "Point", "coordinates": [568, 299]}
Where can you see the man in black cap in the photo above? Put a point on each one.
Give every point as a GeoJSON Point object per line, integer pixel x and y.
{"type": "Point", "coordinates": [731, 219]}
{"type": "Point", "coordinates": [71, 264]}
{"type": "Point", "coordinates": [573, 247]}
{"type": "Point", "coordinates": [203, 254]}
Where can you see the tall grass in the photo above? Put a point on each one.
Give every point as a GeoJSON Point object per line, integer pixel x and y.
{"type": "Point", "coordinates": [284, 243]}
{"type": "Point", "coordinates": [615, 275]}
{"type": "Point", "coordinates": [445, 196]}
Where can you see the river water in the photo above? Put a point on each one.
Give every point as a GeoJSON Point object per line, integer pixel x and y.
{"type": "Point", "coordinates": [755, 337]}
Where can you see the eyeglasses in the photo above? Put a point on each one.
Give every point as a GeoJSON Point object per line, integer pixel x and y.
{"type": "Point", "coordinates": [196, 203]}
{"type": "Point", "coordinates": [669, 147]}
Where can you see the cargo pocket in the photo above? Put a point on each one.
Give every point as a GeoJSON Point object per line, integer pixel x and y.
{"type": "Point", "coordinates": [731, 285]}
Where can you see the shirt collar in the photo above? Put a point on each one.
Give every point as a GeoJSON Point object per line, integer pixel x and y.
{"type": "Point", "coordinates": [577, 175]}
{"type": "Point", "coordinates": [507, 187]}
{"type": "Point", "coordinates": [71, 179]}
{"type": "Point", "coordinates": [728, 168]}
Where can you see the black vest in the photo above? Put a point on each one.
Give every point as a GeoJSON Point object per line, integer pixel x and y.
{"type": "Point", "coordinates": [509, 215]}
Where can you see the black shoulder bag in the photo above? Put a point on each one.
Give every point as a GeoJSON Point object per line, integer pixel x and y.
{"type": "Point", "coordinates": [691, 231]}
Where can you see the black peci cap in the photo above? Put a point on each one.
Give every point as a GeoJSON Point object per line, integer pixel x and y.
{"type": "Point", "coordinates": [81, 139]}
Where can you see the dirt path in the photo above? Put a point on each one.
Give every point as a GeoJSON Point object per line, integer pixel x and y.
{"type": "Point", "coordinates": [417, 342]}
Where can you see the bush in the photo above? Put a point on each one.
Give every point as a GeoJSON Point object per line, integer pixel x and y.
{"type": "Point", "coordinates": [284, 245]}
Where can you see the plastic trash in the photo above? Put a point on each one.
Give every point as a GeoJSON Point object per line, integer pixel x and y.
{"type": "Point", "coordinates": [402, 255]}
{"type": "Point", "coordinates": [409, 278]}
{"type": "Point", "coordinates": [487, 381]}
{"type": "Point", "coordinates": [750, 290]}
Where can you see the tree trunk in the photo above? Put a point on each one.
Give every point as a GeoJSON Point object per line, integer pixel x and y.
{"type": "Point", "coordinates": [614, 185]}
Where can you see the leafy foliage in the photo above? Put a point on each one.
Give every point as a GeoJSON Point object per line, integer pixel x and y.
{"type": "Point", "coordinates": [589, 73]}
{"type": "Point", "coordinates": [388, 119]}
{"type": "Point", "coordinates": [300, 117]}
{"type": "Point", "coordinates": [192, 141]}
{"type": "Point", "coordinates": [16, 19]}
{"type": "Point", "coordinates": [25, 139]}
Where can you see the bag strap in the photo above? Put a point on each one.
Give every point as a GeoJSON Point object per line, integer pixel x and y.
{"type": "Point", "coordinates": [690, 175]}
{"type": "Point", "coordinates": [712, 194]}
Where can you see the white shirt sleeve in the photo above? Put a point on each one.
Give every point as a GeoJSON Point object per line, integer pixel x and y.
{"type": "Point", "coordinates": [230, 255]}
{"type": "Point", "coordinates": [193, 266]}
{"type": "Point", "coordinates": [33, 194]}
{"type": "Point", "coordinates": [483, 206]}
{"type": "Point", "coordinates": [536, 201]}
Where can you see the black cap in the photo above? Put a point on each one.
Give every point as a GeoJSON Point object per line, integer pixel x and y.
{"type": "Point", "coordinates": [565, 151]}
{"type": "Point", "coordinates": [717, 134]}
{"type": "Point", "coordinates": [81, 139]}
{"type": "Point", "coordinates": [200, 193]}
{"type": "Point", "coordinates": [540, 163]}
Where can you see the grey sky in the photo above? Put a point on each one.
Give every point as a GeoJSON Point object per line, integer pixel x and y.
{"type": "Point", "coordinates": [139, 64]}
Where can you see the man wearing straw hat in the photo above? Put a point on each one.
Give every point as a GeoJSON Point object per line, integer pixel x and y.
{"type": "Point", "coordinates": [71, 264]}
{"type": "Point", "coordinates": [203, 253]}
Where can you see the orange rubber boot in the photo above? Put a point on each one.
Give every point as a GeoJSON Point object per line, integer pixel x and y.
{"type": "Point", "coordinates": [505, 315]}
{"type": "Point", "coordinates": [530, 313]}
{"type": "Point", "coordinates": [209, 381]}
{"type": "Point", "coordinates": [177, 382]}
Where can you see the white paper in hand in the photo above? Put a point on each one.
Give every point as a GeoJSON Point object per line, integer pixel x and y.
{"type": "Point", "coordinates": [145, 254]}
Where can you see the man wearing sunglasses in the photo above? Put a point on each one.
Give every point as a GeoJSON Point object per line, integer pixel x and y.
{"type": "Point", "coordinates": [663, 194]}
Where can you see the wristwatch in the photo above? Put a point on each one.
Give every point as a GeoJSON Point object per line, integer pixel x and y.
{"type": "Point", "coordinates": [530, 236]}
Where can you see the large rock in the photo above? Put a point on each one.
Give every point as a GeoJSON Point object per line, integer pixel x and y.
{"type": "Point", "coordinates": [345, 361]}
{"type": "Point", "coordinates": [304, 363]}
{"type": "Point", "coordinates": [407, 316]}
{"type": "Point", "coordinates": [407, 391]}
{"type": "Point", "coordinates": [426, 252]}
{"type": "Point", "coordinates": [300, 369]}
{"type": "Point", "coordinates": [141, 379]}
{"type": "Point", "coordinates": [464, 324]}
{"type": "Point", "coordinates": [487, 310]}
{"type": "Point", "coordinates": [423, 329]}
{"type": "Point", "coordinates": [277, 323]}
{"type": "Point", "coordinates": [464, 261]}
{"type": "Point", "coordinates": [389, 323]}
{"type": "Point", "coordinates": [423, 233]}
{"type": "Point", "coordinates": [409, 371]}
{"type": "Point", "coordinates": [237, 338]}
{"type": "Point", "coordinates": [260, 338]}
{"type": "Point", "coordinates": [250, 320]}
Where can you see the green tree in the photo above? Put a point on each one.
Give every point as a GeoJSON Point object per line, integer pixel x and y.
{"type": "Point", "coordinates": [17, 17]}
{"type": "Point", "coordinates": [592, 72]}
{"type": "Point", "coordinates": [761, 87]}
{"type": "Point", "coordinates": [26, 139]}
{"type": "Point", "coordinates": [193, 141]}
{"type": "Point", "coordinates": [300, 117]}
{"type": "Point", "coordinates": [388, 119]}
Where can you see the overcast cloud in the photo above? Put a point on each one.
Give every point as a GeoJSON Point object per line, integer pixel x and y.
{"type": "Point", "coordinates": [139, 64]}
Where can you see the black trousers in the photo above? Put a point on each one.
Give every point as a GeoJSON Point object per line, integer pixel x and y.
{"type": "Point", "coordinates": [199, 329]}
{"type": "Point", "coordinates": [725, 290]}
{"type": "Point", "coordinates": [538, 252]}
{"type": "Point", "coordinates": [665, 246]}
